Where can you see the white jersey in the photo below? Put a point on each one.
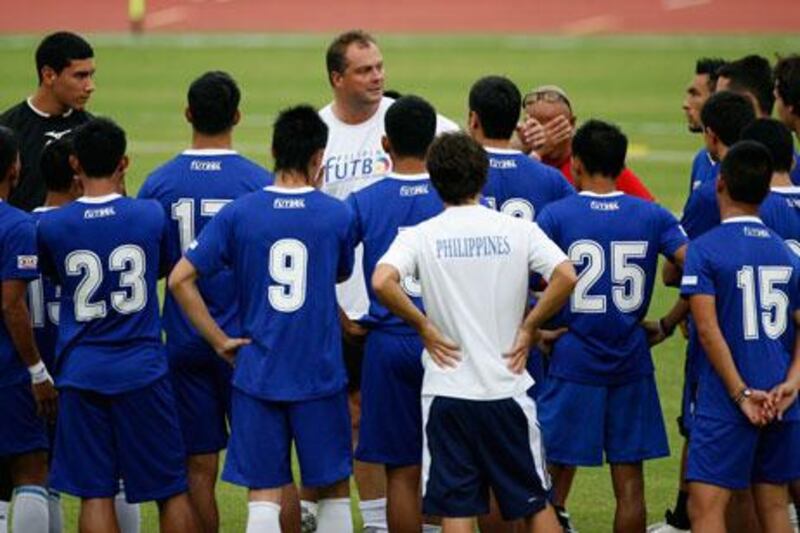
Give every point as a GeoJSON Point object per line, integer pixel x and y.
{"type": "Point", "coordinates": [473, 264]}
{"type": "Point", "coordinates": [354, 158]}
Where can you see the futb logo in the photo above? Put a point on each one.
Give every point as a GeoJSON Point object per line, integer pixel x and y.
{"type": "Point", "coordinates": [339, 168]}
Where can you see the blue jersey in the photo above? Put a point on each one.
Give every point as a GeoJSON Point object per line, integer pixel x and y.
{"type": "Point", "coordinates": [755, 280]}
{"type": "Point", "coordinates": [780, 212]}
{"type": "Point", "coordinates": [704, 169]}
{"type": "Point", "coordinates": [18, 261]}
{"type": "Point", "coordinates": [701, 212]}
{"type": "Point", "coordinates": [43, 303]}
{"type": "Point", "coordinates": [521, 186]}
{"type": "Point", "coordinates": [191, 189]}
{"type": "Point", "coordinates": [617, 264]}
{"type": "Point", "coordinates": [287, 249]}
{"type": "Point", "coordinates": [105, 253]}
{"type": "Point", "coordinates": [382, 210]}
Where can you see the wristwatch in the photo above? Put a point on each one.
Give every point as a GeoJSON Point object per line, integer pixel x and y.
{"type": "Point", "coordinates": [742, 396]}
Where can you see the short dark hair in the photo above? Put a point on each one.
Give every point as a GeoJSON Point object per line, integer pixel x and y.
{"type": "Point", "coordinates": [601, 147]}
{"type": "Point", "coordinates": [458, 166]}
{"type": "Point", "coordinates": [99, 146]}
{"type": "Point", "coordinates": [753, 74]}
{"type": "Point", "coordinates": [213, 101]}
{"type": "Point", "coordinates": [496, 101]}
{"type": "Point", "coordinates": [392, 93]}
{"type": "Point", "coordinates": [54, 164]}
{"type": "Point", "coordinates": [410, 124]}
{"type": "Point", "coordinates": [335, 59]}
{"type": "Point", "coordinates": [298, 134]}
{"type": "Point", "coordinates": [776, 138]}
{"type": "Point", "coordinates": [787, 81]}
{"type": "Point", "coordinates": [9, 148]}
{"type": "Point", "coordinates": [727, 114]}
{"type": "Point", "coordinates": [709, 66]}
{"type": "Point", "coordinates": [59, 49]}
{"type": "Point", "coordinates": [747, 172]}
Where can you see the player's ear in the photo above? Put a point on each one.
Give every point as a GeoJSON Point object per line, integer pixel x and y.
{"type": "Point", "coordinates": [473, 121]}
{"type": "Point", "coordinates": [123, 164]}
{"type": "Point", "coordinates": [314, 171]}
{"type": "Point", "coordinates": [386, 144]}
{"type": "Point", "coordinates": [237, 116]}
{"type": "Point", "coordinates": [336, 78]}
{"type": "Point", "coordinates": [48, 75]}
{"type": "Point", "coordinates": [76, 165]}
{"type": "Point", "coordinates": [188, 114]}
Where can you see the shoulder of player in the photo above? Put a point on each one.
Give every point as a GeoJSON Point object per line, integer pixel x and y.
{"type": "Point", "coordinates": [12, 217]}
{"type": "Point", "coordinates": [14, 114]}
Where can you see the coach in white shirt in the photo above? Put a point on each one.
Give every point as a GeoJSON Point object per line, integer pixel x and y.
{"type": "Point", "coordinates": [473, 265]}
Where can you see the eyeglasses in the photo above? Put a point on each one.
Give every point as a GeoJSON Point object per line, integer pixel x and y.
{"type": "Point", "coordinates": [550, 96]}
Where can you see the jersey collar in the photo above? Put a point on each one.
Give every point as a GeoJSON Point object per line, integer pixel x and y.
{"type": "Point", "coordinates": [611, 194]}
{"type": "Point", "coordinates": [501, 151]}
{"type": "Point", "coordinates": [408, 177]}
{"type": "Point", "coordinates": [99, 199]}
{"type": "Point", "coordinates": [209, 151]}
{"type": "Point", "coordinates": [789, 189]}
{"type": "Point", "coordinates": [41, 113]}
{"type": "Point", "coordinates": [44, 209]}
{"type": "Point", "coordinates": [743, 220]}
{"type": "Point", "coordinates": [286, 190]}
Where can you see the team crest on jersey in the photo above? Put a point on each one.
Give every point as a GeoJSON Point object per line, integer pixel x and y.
{"type": "Point", "coordinates": [27, 262]}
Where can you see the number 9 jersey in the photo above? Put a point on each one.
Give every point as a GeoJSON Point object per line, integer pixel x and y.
{"type": "Point", "coordinates": [287, 249]}
{"type": "Point", "coordinates": [105, 253]}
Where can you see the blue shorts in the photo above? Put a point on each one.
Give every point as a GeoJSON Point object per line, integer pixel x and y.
{"type": "Point", "coordinates": [580, 422]}
{"type": "Point", "coordinates": [21, 429]}
{"type": "Point", "coordinates": [262, 431]}
{"type": "Point", "coordinates": [735, 455]}
{"type": "Point", "coordinates": [391, 415]}
{"type": "Point", "coordinates": [471, 446]}
{"type": "Point", "coordinates": [133, 435]}
{"type": "Point", "coordinates": [203, 398]}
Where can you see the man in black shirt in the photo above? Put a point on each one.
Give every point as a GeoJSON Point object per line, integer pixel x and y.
{"type": "Point", "coordinates": [65, 66]}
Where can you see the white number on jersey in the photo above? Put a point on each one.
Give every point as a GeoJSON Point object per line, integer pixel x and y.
{"type": "Point", "coordinates": [288, 265]}
{"type": "Point", "coordinates": [183, 213]}
{"type": "Point", "coordinates": [793, 246]}
{"type": "Point", "coordinates": [410, 284]}
{"type": "Point", "coordinates": [516, 207]}
{"type": "Point", "coordinates": [127, 259]}
{"type": "Point", "coordinates": [774, 303]}
{"type": "Point", "coordinates": [37, 305]}
{"type": "Point", "coordinates": [628, 279]}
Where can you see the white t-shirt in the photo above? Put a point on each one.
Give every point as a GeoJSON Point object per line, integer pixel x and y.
{"type": "Point", "coordinates": [473, 264]}
{"type": "Point", "coordinates": [354, 158]}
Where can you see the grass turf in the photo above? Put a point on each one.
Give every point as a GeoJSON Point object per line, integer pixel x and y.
{"type": "Point", "coordinates": [637, 82]}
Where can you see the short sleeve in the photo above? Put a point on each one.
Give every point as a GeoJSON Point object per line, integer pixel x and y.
{"type": "Point", "coordinates": [565, 188]}
{"type": "Point", "coordinates": [671, 235]}
{"type": "Point", "coordinates": [347, 246]}
{"type": "Point", "coordinates": [702, 211]}
{"type": "Point", "coordinates": [403, 254]}
{"type": "Point", "coordinates": [543, 254]}
{"type": "Point", "coordinates": [547, 223]}
{"type": "Point", "coordinates": [357, 230]}
{"type": "Point", "coordinates": [210, 252]}
{"type": "Point", "coordinates": [697, 272]}
{"type": "Point", "coordinates": [20, 259]}
{"type": "Point", "coordinates": [145, 191]}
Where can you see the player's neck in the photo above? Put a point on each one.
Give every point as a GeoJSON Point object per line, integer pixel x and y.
{"type": "Point", "coordinates": [44, 101]}
{"type": "Point", "coordinates": [780, 179]}
{"type": "Point", "coordinates": [598, 184]}
{"type": "Point", "coordinates": [408, 165]}
{"type": "Point", "coordinates": [5, 189]}
{"type": "Point", "coordinates": [221, 141]}
{"type": "Point", "coordinates": [352, 113]}
{"type": "Point", "coordinates": [57, 199]}
{"type": "Point", "coordinates": [291, 180]}
{"type": "Point", "coordinates": [100, 186]}
{"type": "Point", "coordinates": [502, 144]}
{"type": "Point", "coordinates": [475, 200]}
{"type": "Point", "coordinates": [731, 209]}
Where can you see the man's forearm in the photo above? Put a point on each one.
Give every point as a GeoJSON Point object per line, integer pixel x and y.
{"type": "Point", "coordinates": [18, 323]}
{"type": "Point", "coordinates": [190, 300]}
{"type": "Point", "coordinates": [558, 290]}
{"type": "Point", "coordinates": [386, 283]}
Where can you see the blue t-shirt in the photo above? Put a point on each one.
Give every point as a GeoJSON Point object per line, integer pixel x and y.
{"type": "Point", "coordinates": [18, 261]}
{"type": "Point", "coordinates": [287, 248]}
{"type": "Point", "coordinates": [704, 169]}
{"type": "Point", "coordinates": [520, 186]}
{"type": "Point", "coordinates": [381, 211]}
{"type": "Point", "coordinates": [701, 212]}
{"type": "Point", "coordinates": [43, 304]}
{"type": "Point", "coordinates": [780, 212]}
{"type": "Point", "coordinates": [617, 264]}
{"type": "Point", "coordinates": [755, 280]}
{"type": "Point", "coordinates": [105, 252]}
{"type": "Point", "coordinates": [191, 189]}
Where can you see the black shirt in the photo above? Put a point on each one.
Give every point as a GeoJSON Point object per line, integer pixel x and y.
{"type": "Point", "coordinates": [34, 131]}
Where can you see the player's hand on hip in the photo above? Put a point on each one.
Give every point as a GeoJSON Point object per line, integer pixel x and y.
{"type": "Point", "coordinates": [230, 347]}
{"type": "Point", "coordinates": [758, 407]}
{"type": "Point", "coordinates": [46, 397]}
{"type": "Point", "coordinates": [782, 397]}
{"type": "Point", "coordinates": [517, 356]}
{"type": "Point", "coordinates": [548, 338]}
{"type": "Point", "coordinates": [354, 333]}
{"type": "Point", "coordinates": [444, 352]}
{"type": "Point", "coordinates": [655, 333]}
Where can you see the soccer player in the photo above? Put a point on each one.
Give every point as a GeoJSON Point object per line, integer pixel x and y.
{"type": "Point", "coordinates": [746, 430]}
{"type": "Point", "coordinates": [286, 246]}
{"type": "Point", "coordinates": [787, 100]}
{"type": "Point", "coordinates": [65, 67]}
{"type": "Point", "coordinates": [191, 189]}
{"type": "Point", "coordinates": [480, 428]}
{"type": "Point", "coordinates": [600, 395]}
{"type": "Point", "coordinates": [27, 395]}
{"type": "Point", "coordinates": [117, 415]}
{"type": "Point", "coordinates": [391, 423]}
{"type": "Point", "coordinates": [516, 184]}
{"type": "Point", "coordinates": [547, 135]}
{"type": "Point", "coordinates": [750, 76]}
{"type": "Point", "coordinates": [354, 158]}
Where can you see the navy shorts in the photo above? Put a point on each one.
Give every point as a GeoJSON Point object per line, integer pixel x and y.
{"type": "Point", "coordinates": [735, 455]}
{"type": "Point", "coordinates": [537, 368]}
{"type": "Point", "coordinates": [471, 446]}
{"type": "Point", "coordinates": [21, 429]}
{"type": "Point", "coordinates": [580, 422]}
{"type": "Point", "coordinates": [262, 432]}
{"type": "Point", "coordinates": [133, 435]}
{"type": "Point", "coordinates": [203, 398]}
{"type": "Point", "coordinates": [391, 416]}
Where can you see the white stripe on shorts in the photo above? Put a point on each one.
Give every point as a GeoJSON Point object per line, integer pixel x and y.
{"type": "Point", "coordinates": [426, 454]}
{"type": "Point", "coordinates": [535, 438]}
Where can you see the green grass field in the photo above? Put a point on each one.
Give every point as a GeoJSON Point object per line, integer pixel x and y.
{"type": "Point", "coordinates": [637, 82]}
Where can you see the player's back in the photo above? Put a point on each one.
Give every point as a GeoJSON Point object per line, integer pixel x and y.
{"type": "Point", "coordinates": [381, 211]}
{"type": "Point", "coordinates": [747, 268]}
{"type": "Point", "coordinates": [17, 244]}
{"type": "Point", "coordinates": [614, 241]}
{"type": "Point", "coordinates": [704, 169]}
{"type": "Point", "coordinates": [780, 211]}
{"type": "Point", "coordinates": [105, 254]}
{"type": "Point", "coordinates": [191, 189]}
{"type": "Point", "coordinates": [43, 305]}
{"type": "Point", "coordinates": [520, 186]}
{"type": "Point", "coordinates": [287, 248]}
